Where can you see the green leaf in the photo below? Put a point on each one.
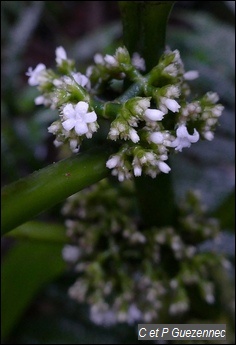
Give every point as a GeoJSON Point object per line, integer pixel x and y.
{"type": "Point", "coordinates": [226, 212]}
{"type": "Point", "coordinates": [26, 268]}
{"type": "Point", "coordinates": [29, 196]}
{"type": "Point", "coordinates": [40, 231]}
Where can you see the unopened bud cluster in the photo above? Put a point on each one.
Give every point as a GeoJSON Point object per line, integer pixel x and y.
{"type": "Point", "coordinates": [152, 119]}
{"type": "Point", "coordinates": [128, 273]}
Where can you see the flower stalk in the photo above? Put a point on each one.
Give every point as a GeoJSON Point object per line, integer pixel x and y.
{"type": "Point", "coordinates": [144, 31]}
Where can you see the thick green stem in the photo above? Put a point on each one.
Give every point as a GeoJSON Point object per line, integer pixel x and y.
{"type": "Point", "coordinates": [144, 28]}
{"type": "Point", "coordinates": [156, 199]}
{"type": "Point", "coordinates": [144, 31]}
{"type": "Point", "coordinates": [29, 196]}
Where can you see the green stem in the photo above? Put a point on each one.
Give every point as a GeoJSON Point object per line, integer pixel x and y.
{"type": "Point", "coordinates": [29, 196]}
{"type": "Point", "coordinates": [144, 28]}
{"type": "Point", "coordinates": [156, 200]}
{"type": "Point", "coordinates": [144, 31]}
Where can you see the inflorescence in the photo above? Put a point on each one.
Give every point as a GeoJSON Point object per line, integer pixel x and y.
{"type": "Point", "coordinates": [153, 117]}
{"type": "Point", "coordinates": [131, 273]}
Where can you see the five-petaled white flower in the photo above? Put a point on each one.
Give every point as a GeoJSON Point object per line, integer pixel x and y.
{"type": "Point", "coordinates": [184, 139]}
{"type": "Point", "coordinates": [78, 117]}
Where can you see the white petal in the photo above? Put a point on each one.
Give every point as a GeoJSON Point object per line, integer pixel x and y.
{"type": "Point", "coordinates": [81, 107]}
{"type": "Point", "coordinates": [194, 137]}
{"type": "Point", "coordinates": [89, 117]}
{"type": "Point", "coordinates": [182, 131]}
{"type": "Point", "coordinates": [80, 79]}
{"type": "Point", "coordinates": [69, 111]}
{"type": "Point", "coordinates": [68, 124]}
{"type": "Point", "coordinates": [81, 127]}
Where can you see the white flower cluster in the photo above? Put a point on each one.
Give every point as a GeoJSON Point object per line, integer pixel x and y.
{"type": "Point", "coordinates": [149, 124]}
{"type": "Point", "coordinates": [106, 235]}
{"type": "Point", "coordinates": [77, 119]}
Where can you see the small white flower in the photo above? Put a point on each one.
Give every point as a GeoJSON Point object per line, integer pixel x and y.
{"type": "Point", "coordinates": [171, 70]}
{"type": "Point", "coordinates": [78, 117]}
{"type": "Point", "coordinates": [176, 56]}
{"type": "Point", "coordinates": [74, 145]}
{"type": "Point", "coordinates": [141, 105]}
{"type": "Point", "coordinates": [212, 97]}
{"type": "Point", "coordinates": [137, 170]}
{"type": "Point", "coordinates": [57, 143]}
{"type": "Point", "coordinates": [191, 75]}
{"type": "Point", "coordinates": [138, 62]}
{"type": "Point", "coordinates": [70, 253]}
{"type": "Point", "coordinates": [113, 162]}
{"type": "Point", "coordinates": [156, 137]}
{"type": "Point", "coordinates": [217, 110]}
{"type": "Point", "coordinates": [37, 75]}
{"type": "Point", "coordinates": [80, 79]}
{"type": "Point", "coordinates": [40, 100]}
{"type": "Point", "coordinates": [134, 314]}
{"type": "Point", "coordinates": [133, 135]}
{"type": "Point", "coordinates": [171, 104]}
{"type": "Point", "coordinates": [98, 59]}
{"type": "Point", "coordinates": [163, 167]}
{"type": "Point", "coordinates": [184, 139]}
{"type": "Point", "coordinates": [111, 60]}
{"type": "Point", "coordinates": [172, 91]}
{"type": "Point", "coordinates": [113, 133]}
{"type": "Point", "coordinates": [154, 114]}
{"type": "Point", "coordinates": [60, 55]}
{"type": "Point", "coordinates": [209, 135]}
{"type": "Point", "coordinates": [54, 128]}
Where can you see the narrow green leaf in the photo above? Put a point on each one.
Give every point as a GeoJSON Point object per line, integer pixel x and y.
{"type": "Point", "coordinates": [26, 268]}
{"type": "Point", "coordinates": [40, 231]}
{"type": "Point", "coordinates": [29, 196]}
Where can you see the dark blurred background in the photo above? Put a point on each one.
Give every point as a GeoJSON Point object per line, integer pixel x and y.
{"type": "Point", "coordinates": [203, 31]}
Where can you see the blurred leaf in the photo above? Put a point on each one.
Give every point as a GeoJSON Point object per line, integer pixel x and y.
{"type": "Point", "coordinates": [55, 318]}
{"type": "Point", "coordinates": [207, 45]}
{"type": "Point", "coordinates": [40, 231]}
{"type": "Point", "coordinates": [26, 268]}
{"type": "Point", "coordinates": [226, 212]}
{"type": "Point", "coordinates": [207, 166]}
